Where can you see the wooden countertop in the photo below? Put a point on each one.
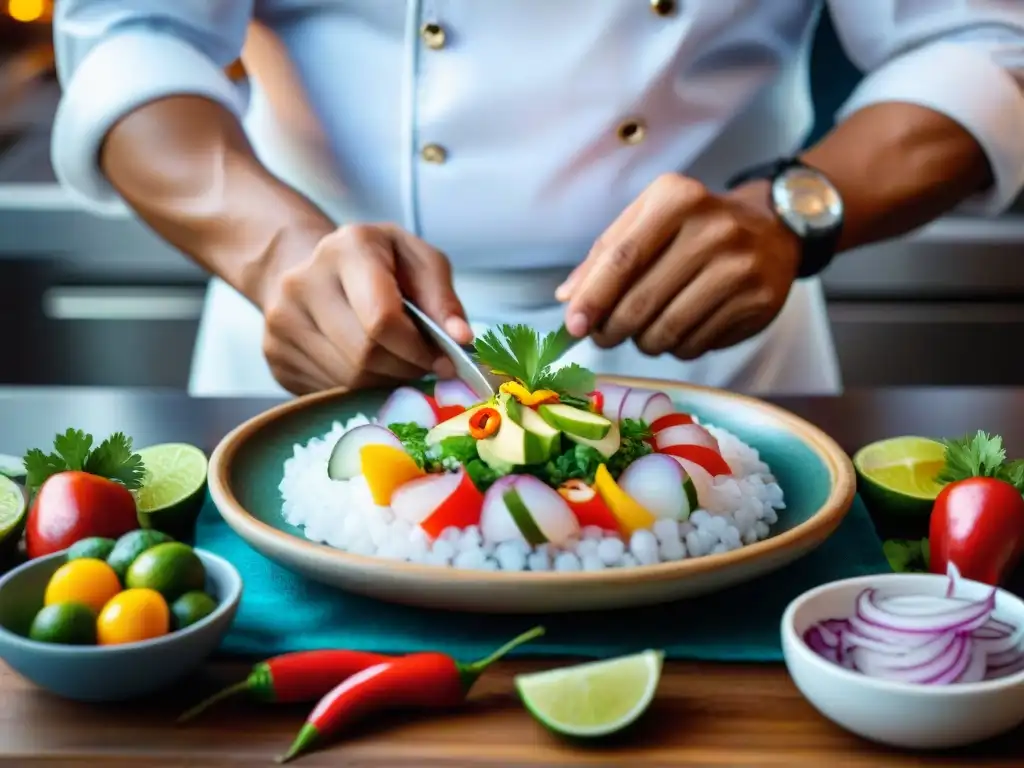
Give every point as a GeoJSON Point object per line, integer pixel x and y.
{"type": "Point", "coordinates": [704, 715]}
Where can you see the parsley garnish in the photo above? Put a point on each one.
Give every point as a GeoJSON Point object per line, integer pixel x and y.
{"type": "Point", "coordinates": [73, 451]}
{"type": "Point", "coordinates": [414, 440]}
{"type": "Point", "coordinates": [980, 455]}
{"type": "Point", "coordinates": [519, 352]}
{"type": "Point", "coordinates": [907, 555]}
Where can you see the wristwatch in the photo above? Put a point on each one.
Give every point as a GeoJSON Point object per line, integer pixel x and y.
{"type": "Point", "coordinates": [807, 203]}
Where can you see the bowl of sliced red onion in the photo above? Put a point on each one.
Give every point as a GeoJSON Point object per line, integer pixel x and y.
{"type": "Point", "coordinates": [911, 660]}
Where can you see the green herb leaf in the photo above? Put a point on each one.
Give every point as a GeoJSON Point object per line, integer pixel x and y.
{"type": "Point", "coordinates": [1012, 472]}
{"type": "Point", "coordinates": [631, 448]}
{"type": "Point", "coordinates": [907, 556]}
{"type": "Point", "coordinates": [519, 352]}
{"type": "Point", "coordinates": [461, 448]}
{"type": "Point", "coordinates": [496, 349]}
{"type": "Point", "coordinates": [980, 455]}
{"type": "Point", "coordinates": [634, 429]}
{"type": "Point", "coordinates": [482, 475]}
{"type": "Point", "coordinates": [73, 447]}
{"type": "Point", "coordinates": [115, 460]}
{"type": "Point", "coordinates": [39, 467]}
{"type": "Point", "coordinates": [414, 440]}
{"type": "Point", "coordinates": [571, 379]}
{"type": "Point", "coordinates": [112, 459]}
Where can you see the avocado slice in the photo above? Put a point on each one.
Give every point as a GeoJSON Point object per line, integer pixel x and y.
{"type": "Point", "coordinates": [456, 426]}
{"type": "Point", "coordinates": [606, 446]}
{"type": "Point", "coordinates": [512, 444]}
{"type": "Point", "coordinates": [575, 421]}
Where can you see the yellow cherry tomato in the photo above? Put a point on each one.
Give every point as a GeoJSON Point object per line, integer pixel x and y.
{"type": "Point", "coordinates": [86, 581]}
{"type": "Point", "coordinates": [133, 615]}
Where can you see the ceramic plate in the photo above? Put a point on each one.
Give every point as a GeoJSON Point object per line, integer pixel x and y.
{"type": "Point", "coordinates": [816, 476]}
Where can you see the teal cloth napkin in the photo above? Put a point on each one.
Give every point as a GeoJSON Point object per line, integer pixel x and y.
{"type": "Point", "coordinates": [281, 611]}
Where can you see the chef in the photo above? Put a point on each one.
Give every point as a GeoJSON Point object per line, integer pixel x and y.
{"type": "Point", "coordinates": [631, 168]}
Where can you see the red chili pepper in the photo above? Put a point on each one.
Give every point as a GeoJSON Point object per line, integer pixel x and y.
{"type": "Point", "coordinates": [424, 680]}
{"type": "Point", "coordinates": [596, 401]}
{"type": "Point", "coordinates": [294, 677]}
{"type": "Point", "coordinates": [484, 423]}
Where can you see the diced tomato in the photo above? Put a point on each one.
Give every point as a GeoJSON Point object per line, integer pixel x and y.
{"type": "Point", "coordinates": [461, 509]}
{"type": "Point", "coordinates": [708, 458]}
{"type": "Point", "coordinates": [588, 506]}
{"type": "Point", "coordinates": [596, 401]}
{"type": "Point", "coordinates": [671, 420]}
{"type": "Point", "coordinates": [445, 412]}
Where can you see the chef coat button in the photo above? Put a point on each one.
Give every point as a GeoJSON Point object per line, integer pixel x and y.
{"type": "Point", "coordinates": [434, 153]}
{"type": "Point", "coordinates": [632, 131]}
{"type": "Point", "coordinates": [433, 35]}
{"type": "Point", "coordinates": [663, 7]}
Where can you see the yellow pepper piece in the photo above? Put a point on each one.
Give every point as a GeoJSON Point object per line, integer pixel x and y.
{"type": "Point", "coordinates": [630, 514]}
{"type": "Point", "coordinates": [525, 396]}
{"type": "Point", "coordinates": [386, 469]}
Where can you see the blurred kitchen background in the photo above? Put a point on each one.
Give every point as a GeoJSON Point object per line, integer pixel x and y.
{"type": "Point", "coordinates": [88, 301]}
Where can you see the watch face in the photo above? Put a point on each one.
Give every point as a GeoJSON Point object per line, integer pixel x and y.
{"type": "Point", "coordinates": [807, 201]}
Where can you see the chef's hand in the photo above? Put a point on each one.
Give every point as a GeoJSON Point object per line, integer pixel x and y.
{"type": "Point", "coordinates": [684, 271]}
{"type": "Point", "coordinates": [335, 318]}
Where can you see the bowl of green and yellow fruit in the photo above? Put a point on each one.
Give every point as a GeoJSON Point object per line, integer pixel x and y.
{"type": "Point", "coordinates": [110, 620]}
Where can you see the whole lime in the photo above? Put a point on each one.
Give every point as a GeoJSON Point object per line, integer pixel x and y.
{"type": "Point", "coordinates": [130, 546]}
{"type": "Point", "coordinates": [65, 623]}
{"type": "Point", "coordinates": [94, 548]}
{"type": "Point", "coordinates": [172, 569]}
{"type": "Point", "coordinates": [192, 607]}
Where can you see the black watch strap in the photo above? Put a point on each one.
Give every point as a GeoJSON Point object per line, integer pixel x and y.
{"type": "Point", "coordinates": [817, 249]}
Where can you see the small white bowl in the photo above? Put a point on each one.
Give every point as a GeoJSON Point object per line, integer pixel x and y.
{"type": "Point", "coordinates": [900, 714]}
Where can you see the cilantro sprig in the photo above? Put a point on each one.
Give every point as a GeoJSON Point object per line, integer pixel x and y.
{"type": "Point", "coordinates": [73, 451]}
{"type": "Point", "coordinates": [519, 352]}
{"type": "Point", "coordinates": [980, 455]}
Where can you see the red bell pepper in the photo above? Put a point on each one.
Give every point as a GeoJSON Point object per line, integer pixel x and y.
{"type": "Point", "coordinates": [708, 458]}
{"type": "Point", "coordinates": [587, 505]}
{"type": "Point", "coordinates": [977, 521]}
{"type": "Point", "coordinates": [670, 420]}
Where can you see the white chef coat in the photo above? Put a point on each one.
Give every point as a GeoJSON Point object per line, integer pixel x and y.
{"type": "Point", "coordinates": [510, 133]}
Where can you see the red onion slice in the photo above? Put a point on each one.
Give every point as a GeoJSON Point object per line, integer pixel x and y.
{"type": "Point", "coordinates": [960, 617]}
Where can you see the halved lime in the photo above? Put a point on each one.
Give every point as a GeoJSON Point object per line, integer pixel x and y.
{"type": "Point", "coordinates": [173, 489]}
{"type": "Point", "coordinates": [592, 699]}
{"type": "Point", "coordinates": [12, 509]}
{"type": "Point", "coordinates": [897, 476]}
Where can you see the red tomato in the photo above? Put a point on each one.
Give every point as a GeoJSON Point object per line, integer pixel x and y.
{"type": "Point", "coordinates": [978, 524]}
{"type": "Point", "coordinates": [706, 457]}
{"type": "Point", "coordinates": [461, 509]}
{"type": "Point", "coordinates": [71, 506]}
{"type": "Point", "coordinates": [670, 420]}
{"type": "Point", "coordinates": [587, 505]}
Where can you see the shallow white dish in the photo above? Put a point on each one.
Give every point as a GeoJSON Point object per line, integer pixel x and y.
{"type": "Point", "coordinates": [900, 714]}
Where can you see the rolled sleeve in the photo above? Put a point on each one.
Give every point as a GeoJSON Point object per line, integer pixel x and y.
{"type": "Point", "coordinates": [966, 84]}
{"type": "Point", "coordinates": [119, 75]}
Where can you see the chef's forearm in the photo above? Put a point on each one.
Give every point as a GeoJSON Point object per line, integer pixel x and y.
{"type": "Point", "coordinates": [185, 166]}
{"type": "Point", "coordinates": [898, 166]}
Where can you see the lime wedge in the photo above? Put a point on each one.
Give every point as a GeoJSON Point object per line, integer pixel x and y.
{"type": "Point", "coordinates": [12, 508]}
{"type": "Point", "coordinates": [593, 699]}
{"type": "Point", "coordinates": [173, 489]}
{"type": "Point", "coordinates": [897, 478]}
{"type": "Point", "coordinates": [11, 466]}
